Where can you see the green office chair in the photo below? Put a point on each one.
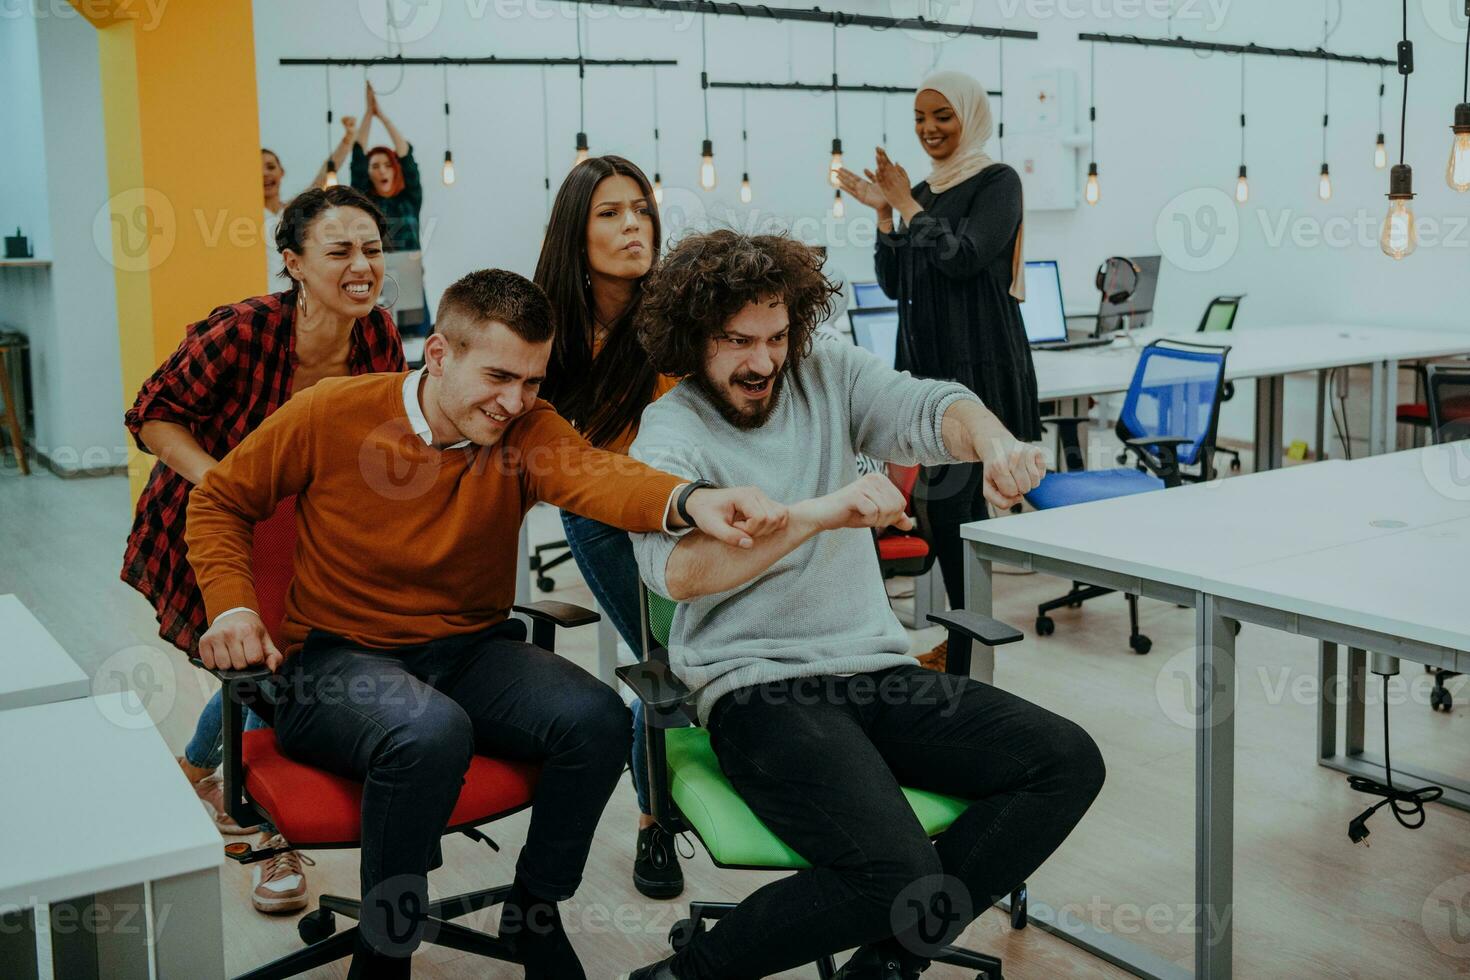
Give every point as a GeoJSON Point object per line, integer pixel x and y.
{"type": "Point", "coordinates": [689, 791]}
{"type": "Point", "coordinates": [1220, 317]}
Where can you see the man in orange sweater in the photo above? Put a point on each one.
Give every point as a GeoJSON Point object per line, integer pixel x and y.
{"type": "Point", "coordinates": [400, 661]}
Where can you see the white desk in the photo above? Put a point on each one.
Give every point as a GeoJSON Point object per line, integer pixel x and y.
{"type": "Point", "coordinates": [33, 667]}
{"type": "Point", "coordinates": [99, 824]}
{"type": "Point", "coordinates": [1355, 553]}
{"type": "Point", "coordinates": [1265, 354]}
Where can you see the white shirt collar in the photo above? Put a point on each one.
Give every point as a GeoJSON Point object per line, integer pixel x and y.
{"type": "Point", "coordinates": [415, 411]}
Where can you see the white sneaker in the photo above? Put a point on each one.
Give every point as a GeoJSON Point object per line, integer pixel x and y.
{"type": "Point", "coordinates": [278, 883]}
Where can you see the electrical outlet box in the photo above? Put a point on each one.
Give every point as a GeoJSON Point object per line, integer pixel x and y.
{"type": "Point", "coordinates": [1043, 133]}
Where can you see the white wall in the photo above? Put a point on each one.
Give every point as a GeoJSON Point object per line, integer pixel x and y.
{"type": "Point", "coordinates": [22, 191]}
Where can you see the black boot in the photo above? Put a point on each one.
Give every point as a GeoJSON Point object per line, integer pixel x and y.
{"type": "Point", "coordinates": [662, 970]}
{"type": "Point", "coordinates": [533, 927]}
{"type": "Point", "coordinates": [656, 871]}
{"type": "Point", "coordinates": [882, 961]}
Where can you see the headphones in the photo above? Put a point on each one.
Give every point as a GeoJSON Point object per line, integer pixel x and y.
{"type": "Point", "coordinates": [1119, 296]}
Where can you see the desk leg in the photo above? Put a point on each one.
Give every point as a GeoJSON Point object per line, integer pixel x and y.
{"type": "Point", "coordinates": [102, 936]}
{"type": "Point", "coordinates": [188, 926]}
{"type": "Point", "coordinates": [1269, 394]}
{"type": "Point", "coordinates": [1357, 693]}
{"type": "Point", "coordinates": [1321, 445]}
{"type": "Point", "coordinates": [607, 648]}
{"type": "Point", "coordinates": [18, 946]}
{"type": "Point", "coordinates": [1214, 843]}
{"type": "Point", "coordinates": [979, 597]}
{"type": "Point", "coordinates": [1383, 426]}
{"type": "Point", "coordinates": [1327, 695]}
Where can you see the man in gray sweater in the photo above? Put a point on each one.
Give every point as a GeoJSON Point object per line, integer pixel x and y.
{"type": "Point", "coordinates": [816, 708]}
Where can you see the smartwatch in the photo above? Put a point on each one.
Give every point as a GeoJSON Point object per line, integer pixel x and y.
{"type": "Point", "coordinates": [682, 501]}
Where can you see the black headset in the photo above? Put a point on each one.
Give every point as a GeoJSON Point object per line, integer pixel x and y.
{"type": "Point", "coordinates": [1119, 296]}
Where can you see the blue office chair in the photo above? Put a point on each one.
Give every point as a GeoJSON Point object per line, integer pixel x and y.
{"type": "Point", "coordinates": [869, 295]}
{"type": "Point", "coordinates": [1168, 422]}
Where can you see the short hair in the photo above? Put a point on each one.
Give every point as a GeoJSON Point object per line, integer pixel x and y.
{"type": "Point", "coordinates": [495, 296]}
{"type": "Point", "coordinates": [706, 279]}
{"type": "Point", "coordinates": [305, 208]}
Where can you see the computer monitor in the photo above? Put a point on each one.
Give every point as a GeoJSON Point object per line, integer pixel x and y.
{"type": "Point", "coordinates": [1140, 305]}
{"type": "Point", "coordinates": [876, 331]}
{"type": "Point", "coordinates": [869, 295]}
{"type": "Point", "coordinates": [1042, 313]}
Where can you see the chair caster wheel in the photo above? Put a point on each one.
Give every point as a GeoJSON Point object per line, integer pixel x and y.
{"type": "Point", "coordinates": [1440, 700]}
{"type": "Point", "coordinates": [1235, 466]}
{"type": "Point", "coordinates": [545, 584]}
{"type": "Point", "coordinates": [1045, 626]}
{"type": "Point", "coordinates": [1140, 643]}
{"type": "Point", "coordinates": [682, 934]}
{"type": "Point", "coordinates": [1019, 905]}
{"type": "Point", "coordinates": [316, 926]}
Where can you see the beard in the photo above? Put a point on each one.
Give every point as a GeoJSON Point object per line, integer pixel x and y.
{"type": "Point", "coordinates": [733, 415]}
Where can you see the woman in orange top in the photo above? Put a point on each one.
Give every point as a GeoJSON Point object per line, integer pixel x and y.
{"type": "Point", "coordinates": [603, 238]}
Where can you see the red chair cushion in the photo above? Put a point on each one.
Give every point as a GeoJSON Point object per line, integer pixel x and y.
{"type": "Point", "coordinates": [310, 806]}
{"type": "Point", "coordinates": [900, 546]}
{"type": "Point", "coordinates": [1413, 412]}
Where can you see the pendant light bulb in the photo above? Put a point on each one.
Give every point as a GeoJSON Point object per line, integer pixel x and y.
{"type": "Point", "coordinates": [1324, 185]}
{"type": "Point", "coordinates": [1242, 187]}
{"type": "Point", "coordinates": [1094, 192]}
{"type": "Point", "coordinates": [582, 151]}
{"type": "Point", "coordinates": [1399, 236]}
{"type": "Point", "coordinates": [838, 208]}
{"type": "Point", "coordinates": [745, 188]}
{"type": "Point", "coordinates": [1380, 154]}
{"type": "Point", "coordinates": [658, 189]}
{"type": "Point", "coordinates": [1457, 174]}
{"type": "Point", "coordinates": [331, 180]}
{"type": "Point", "coordinates": [448, 168]}
{"type": "Point", "coordinates": [836, 163]}
{"type": "Point", "coordinates": [707, 178]}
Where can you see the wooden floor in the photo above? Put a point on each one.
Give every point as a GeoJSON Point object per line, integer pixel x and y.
{"type": "Point", "coordinates": [1308, 902]}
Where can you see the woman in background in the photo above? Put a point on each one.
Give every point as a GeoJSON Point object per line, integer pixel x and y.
{"type": "Point", "coordinates": [954, 267]}
{"type": "Point", "coordinates": [602, 240]}
{"type": "Point", "coordinates": [230, 373]}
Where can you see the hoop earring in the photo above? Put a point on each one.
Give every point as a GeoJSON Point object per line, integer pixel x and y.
{"type": "Point", "coordinates": [301, 297]}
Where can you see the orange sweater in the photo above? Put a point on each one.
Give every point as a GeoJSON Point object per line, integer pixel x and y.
{"type": "Point", "coordinates": [398, 542]}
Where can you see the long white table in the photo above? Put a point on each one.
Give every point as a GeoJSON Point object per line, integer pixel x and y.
{"type": "Point", "coordinates": [99, 825]}
{"type": "Point", "coordinates": [1366, 554]}
{"type": "Point", "coordinates": [34, 669]}
{"type": "Point", "coordinates": [1265, 354]}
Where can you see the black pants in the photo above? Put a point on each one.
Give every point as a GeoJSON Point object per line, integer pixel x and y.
{"type": "Point", "coordinates": [945, 498]}
{"type": "Point", "coordinates": [820, 761]}
{"type": "Point", "coordinates": [406, 722]}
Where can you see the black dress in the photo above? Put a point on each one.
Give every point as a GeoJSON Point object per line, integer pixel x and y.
{"type": "Point", "coordinates": [949, 271]}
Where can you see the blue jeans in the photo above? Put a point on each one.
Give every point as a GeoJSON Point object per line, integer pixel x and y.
{"type": "Point", "coordinates": [605, 556]}
{"type": "Point", "coordinates": [206, 749]}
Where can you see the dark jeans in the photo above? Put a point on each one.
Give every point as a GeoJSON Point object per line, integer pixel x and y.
{"type": "Point", "coordinates": [406, 722]}
{"type": "Point", "coordinates": [945, 498]}
{"type": "Point", "coordinates": [820, 761]}
{"type": "Point", "coordinates": [605, 557]}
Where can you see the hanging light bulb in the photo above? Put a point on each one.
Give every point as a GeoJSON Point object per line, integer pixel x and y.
{"type": "Point", "coordinates": [331, 180]}
{"type": "Point", "coordinates": [658, 189]}
{"type": "Point", "coordinates": [448, 157]}
{"type": "Point", "coordinates": [707, 166]}
{"type": "Point", "coordinates": [1093, 193]}
{"type": "Point", "coordinates": [838, 208]}
{"type": "Point", "coordinates": [1324, 184]}
{"type": "Point", "coordinates": [836, 163]}
{"type": "Point", "coordinates": [1457, 175]}
{"type": "Point", "coordinates": [582, 152]}
{"type": "Point", "coordinates": [745, 188]}
{"type": "Point", "coordinates": [1399, 237]}
{"type": "Point", "coordinates": [1380, 154]}
{"type": "Point", "coordinates": [1242, 187]}
{"type": "Point", "coordinates": [448, 168]}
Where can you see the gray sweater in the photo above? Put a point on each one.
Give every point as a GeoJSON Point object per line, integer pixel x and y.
{"type": "Point", "coordinates": [821, 609]}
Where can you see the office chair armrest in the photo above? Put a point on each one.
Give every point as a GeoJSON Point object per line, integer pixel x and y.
{"type": "Point", "coordinates": [965, 627]}
{"type": "Point", "coordinates": [1165, 465]}
{"type": "Point", "coordinates": [228, 677]}
{"type": "Point", "coordinates": [547, 615]}
{"type": "Point", "coordinates": [1144, 441]}
{"type": "Point", "coordinates": [253, 684]}
{"type": "Point", "coordinates": [655, 684]}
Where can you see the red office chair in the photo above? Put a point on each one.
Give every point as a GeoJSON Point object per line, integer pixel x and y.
{"type": "Point", "coordinates": [1415, 415]}
{"type": "Point", "coordinates": [314, 809]}
{"type": "Point", "coordinates": [904, 552]}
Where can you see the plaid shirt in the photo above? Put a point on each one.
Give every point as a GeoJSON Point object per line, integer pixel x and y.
{"type": "Point", "coordinates": [230, 372]}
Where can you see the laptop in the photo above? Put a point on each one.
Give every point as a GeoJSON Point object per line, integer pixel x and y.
{"type": "Point", "coordinates": [403, 290]}
{"type": "Point", "coordinates": [1043, 314]}
{"type": "Point", "coordinates": [876, 331]}
{"type": "Point", "coordinates": [869, 295]}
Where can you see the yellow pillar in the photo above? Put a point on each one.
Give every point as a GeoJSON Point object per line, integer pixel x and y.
{"type": "Point", "coordinates": [183, 172]}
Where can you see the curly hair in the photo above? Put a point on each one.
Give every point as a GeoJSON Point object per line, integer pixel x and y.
{"type": "Point", "coordinates": [706, 279]}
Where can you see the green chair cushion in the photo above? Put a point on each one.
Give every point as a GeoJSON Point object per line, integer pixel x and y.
{"type": "Point", "coordinates": [660, 617]}
{"type": "Point", "coordinates": [731, 832]}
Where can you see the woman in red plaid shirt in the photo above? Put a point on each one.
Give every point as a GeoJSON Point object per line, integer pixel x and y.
{"type": "Point", "coordinates": [231, 371]}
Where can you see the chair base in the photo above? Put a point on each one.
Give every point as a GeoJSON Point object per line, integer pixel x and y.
{"type": "Point", "coordinates": [325, 944]}
{"type": "Point", "coordinates": [1080, 593]}
{"type": "Point", "coordinates": [685, 930]}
